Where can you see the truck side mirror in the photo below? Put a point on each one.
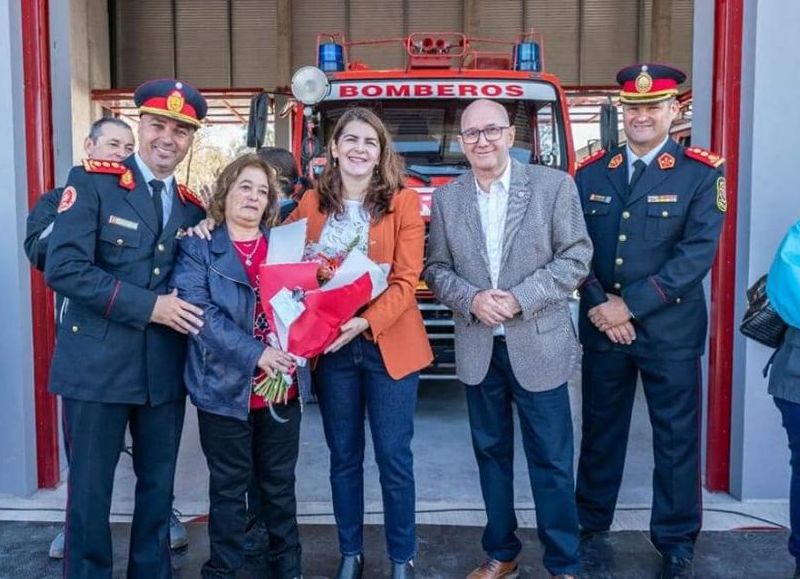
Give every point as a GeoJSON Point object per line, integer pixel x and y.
{"type": "Point", "coordinates": [257, 124]}
{"type": "Point", "coordinates": [609, 126]}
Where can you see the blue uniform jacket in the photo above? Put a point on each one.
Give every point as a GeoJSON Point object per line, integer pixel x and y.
{"type": "Point", "coordinates": [653, 248]}
{"type": "Point", "coordinates": [222, 358]}
{"type": "Point", "coordinates": [37, 227]}
{"type": "Point", "coordinates": [106, 259]}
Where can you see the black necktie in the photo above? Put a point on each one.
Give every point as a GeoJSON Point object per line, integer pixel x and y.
{"type": "Point", "coordinates": [638, 170]}
{"type": "Point", "coordinates": [158, 187]}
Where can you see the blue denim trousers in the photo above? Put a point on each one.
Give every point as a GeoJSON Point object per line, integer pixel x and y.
{"type": "Point", "coordinates": [353, 384]}
{"type": "Point", "coordinates": [546, 423]}
{"type": "Point", "coordinates": [790, 412]}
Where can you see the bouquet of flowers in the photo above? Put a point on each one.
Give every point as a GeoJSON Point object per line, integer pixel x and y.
{"type": "Point", "coordinates": [308, 292]}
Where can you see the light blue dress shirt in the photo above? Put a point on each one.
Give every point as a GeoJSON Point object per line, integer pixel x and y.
{"type": "Point", "coordinates": [167, 193]}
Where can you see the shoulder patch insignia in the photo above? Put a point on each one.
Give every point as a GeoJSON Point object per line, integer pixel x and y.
{"type": "Point", "coordinates": [107, 167]}
{"type": "Point", "coordinates": [586, 161]}
{"type": "Point", "coordinates": [666, 161]}
{"type": "Point", "coordinates": [704, 156]}
{"type": "Point", "coordinates": [615, 161]}
{"type": "Point", "coordinates": [185, 194]}
{"type": "Point", "coordinates": [722, 198]}
{"type": "Point", "coordinates": [68, 198]}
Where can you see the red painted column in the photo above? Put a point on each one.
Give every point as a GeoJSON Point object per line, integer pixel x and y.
{"type": "Point", "coordinates": [725, 117]}
{"type": "Point", "coordinates": [39, 156]}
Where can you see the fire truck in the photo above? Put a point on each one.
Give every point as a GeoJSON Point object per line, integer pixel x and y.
{"type": "Point", "coordinates": [421, 105]}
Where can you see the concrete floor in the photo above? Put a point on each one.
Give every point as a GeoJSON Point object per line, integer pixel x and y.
{"type": "Point", "coordinates": [448, 492]}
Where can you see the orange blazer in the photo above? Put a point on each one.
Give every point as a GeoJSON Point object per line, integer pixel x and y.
{"type": "Point", "coordinates": [398, 239]}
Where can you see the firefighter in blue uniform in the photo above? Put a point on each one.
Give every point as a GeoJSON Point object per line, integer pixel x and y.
{"type": "Point", "coordinates": [654, 211]}
{"type": "Point", "coordinates": [121, 340]}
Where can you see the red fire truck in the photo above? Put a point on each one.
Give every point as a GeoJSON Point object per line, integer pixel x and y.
{"type": "Point", "coordinates": [421, 105]}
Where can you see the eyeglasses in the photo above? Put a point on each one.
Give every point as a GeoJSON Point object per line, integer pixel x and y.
{"type": "Point", "coordinates": [492, 133]}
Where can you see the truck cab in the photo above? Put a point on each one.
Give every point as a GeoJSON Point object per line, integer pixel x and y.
{"type": "Point", "coordinates": [421, 105]}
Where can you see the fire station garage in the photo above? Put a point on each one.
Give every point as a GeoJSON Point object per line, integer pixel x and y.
{"type": "Point", "coordinates": [65, 64]}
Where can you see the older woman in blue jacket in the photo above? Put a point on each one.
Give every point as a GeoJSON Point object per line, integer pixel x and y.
{"type": "Point", "coordinates": [239, 432]}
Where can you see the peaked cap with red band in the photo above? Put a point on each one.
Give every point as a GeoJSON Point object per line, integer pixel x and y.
{"type": "Point", "coordinates": [172, 99]}
{"type": "Point", "coordinates": [648, 83]}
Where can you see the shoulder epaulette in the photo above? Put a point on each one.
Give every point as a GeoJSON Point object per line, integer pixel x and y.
{"type": "Point", "coordinates": [111, 168]}
{"type": "Point", "coordinates": [187, 194]}
{"type": "Point", "coordinates": [704, 156]}
{"type": "Point", "coordinates": [108, 167]}
{"type": "Point", "coordinates": [586, 161]}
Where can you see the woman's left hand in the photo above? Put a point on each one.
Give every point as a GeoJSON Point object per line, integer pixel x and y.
{"type": "Point", "coordinates": [350, 329]}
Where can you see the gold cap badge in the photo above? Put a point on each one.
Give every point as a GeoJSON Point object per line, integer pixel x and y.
{"type": "Point", "coordinates": [175, 102]}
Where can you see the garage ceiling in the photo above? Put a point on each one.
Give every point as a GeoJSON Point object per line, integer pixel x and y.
{"type": "Point", "coordinates": [235, 43]}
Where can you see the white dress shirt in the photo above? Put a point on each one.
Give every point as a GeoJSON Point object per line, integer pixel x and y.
{"type": "Point", "coordinates": [493, 207]}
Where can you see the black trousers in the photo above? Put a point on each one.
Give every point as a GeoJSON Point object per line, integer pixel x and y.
{"type": "Point", "coordinates": [235, 448]}
{"type": "Point", "coordinates": [672, 390]}
{"type": "Point", "coordinates": [95, 433]}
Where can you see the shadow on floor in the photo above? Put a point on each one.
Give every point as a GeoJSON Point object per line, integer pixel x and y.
{"type": "Point", "coordinates": [445, 552]}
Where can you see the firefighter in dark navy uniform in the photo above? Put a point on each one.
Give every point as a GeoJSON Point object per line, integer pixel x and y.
{"type": "Point", "coordinates": [121, 340]}
{"type": "Point", "coordinates": [654, 211]}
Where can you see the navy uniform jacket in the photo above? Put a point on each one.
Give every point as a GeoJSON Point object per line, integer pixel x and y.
{"type": "Point", "coordinates": [37, 227]}
{"type": "Point", "coordinates": [653, 247]}
{"type": "Point", "coordinates": [105, 258]}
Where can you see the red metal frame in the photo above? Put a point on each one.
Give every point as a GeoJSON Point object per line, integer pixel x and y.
{"type": "Point", "coordinates": [40, 173]}
{"type": "Point", "coordinates": [728, 21]}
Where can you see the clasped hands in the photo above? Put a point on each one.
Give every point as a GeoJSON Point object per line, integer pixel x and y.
{"type": "Point", "coordinates": [614, 319]}
{"type": "Point", "coordinates": [494, 306]}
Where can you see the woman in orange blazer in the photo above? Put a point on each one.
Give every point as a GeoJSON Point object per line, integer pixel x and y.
{"type": "Point", "coordinates": [372, 369]}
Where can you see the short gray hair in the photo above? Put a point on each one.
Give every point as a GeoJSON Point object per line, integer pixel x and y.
{"type": "Point", "coordinates": [97, 127]}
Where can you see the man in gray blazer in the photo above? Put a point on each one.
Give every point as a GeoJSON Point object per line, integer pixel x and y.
{"type": "Point", "coordinates": [507, 247]}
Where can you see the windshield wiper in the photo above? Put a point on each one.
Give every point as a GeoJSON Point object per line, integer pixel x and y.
{"type": "Point", "coordinates": [421, 176]}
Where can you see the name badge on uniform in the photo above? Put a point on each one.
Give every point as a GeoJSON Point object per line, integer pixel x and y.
{"type": "Point", "coordinates": [127, 224]}
{"type": "Point", "coordinates": [662, 198]}
{"type": "Point", "coordinates": [600, 198]}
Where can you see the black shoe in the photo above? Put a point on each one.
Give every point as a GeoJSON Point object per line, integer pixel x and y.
{"type": "Point", "coordinates": [350, 567]}
{"type": "Point", "coordinates": [591, 534]}
{"type": "Point", "coordinates": [256, 540]}
{"type": "Point", "coordinates": [403, 570]}
{"type": "Point", "coordinates": [676, 567]}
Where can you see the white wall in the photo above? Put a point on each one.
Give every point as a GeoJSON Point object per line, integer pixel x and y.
{"type": "Point", "coordinates": [17, 422]}
{"type": "Point", "coordinates": [769, 202]}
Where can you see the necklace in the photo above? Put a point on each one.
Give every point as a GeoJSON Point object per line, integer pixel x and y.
{"type": "Point", "coordinates": [248, 257]}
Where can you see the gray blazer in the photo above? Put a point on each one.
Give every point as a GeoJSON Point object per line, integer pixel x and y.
{"type": "Point", "coordinates": [546, 254]}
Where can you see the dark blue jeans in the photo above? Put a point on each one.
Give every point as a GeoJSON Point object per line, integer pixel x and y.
{"type": "Point", "coordinates": [352, 384]}
{"type": "Point", "coordinates": [546, 422]}
{"type": "Point", "coordinates": [790, 412]}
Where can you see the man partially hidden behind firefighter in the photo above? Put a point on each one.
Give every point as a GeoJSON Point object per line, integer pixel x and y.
{"type": "Point", "coordinates": [507, 248]}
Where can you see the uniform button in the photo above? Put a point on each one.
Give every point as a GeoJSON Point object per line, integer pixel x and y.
{"type": "Point", "coordinates": [623, 237]}
{"type": "Point", "coordinates": [626, 214]}
{"type": "Point", "coordinates": [161, 247]}
{"type": "Point", "coordinates": [619, 261]}
{"type": "Point", "coordinates": [665, 214]}
{"type": "Point", "coordinates": [594, 211]}
{"type": "Point", "coordinates": [677, 300]}
{"type": "Point", "coordinates": [617, 285]}
{"type": "Point", "coordinates": [120, 241]}
{"type": "Point", "coordinates": [75, 329]}
{"type": "Point", "coordinates": [156, 271]}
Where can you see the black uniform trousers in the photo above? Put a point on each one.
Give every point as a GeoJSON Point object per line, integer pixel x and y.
{"type": "Point", "coordinates": [672, 391]}
{"type": "Point", "coordinates": [96, 432]}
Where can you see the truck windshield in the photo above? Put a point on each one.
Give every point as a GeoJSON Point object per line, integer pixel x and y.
{"type": "Point", "coordinates": [425, 131]}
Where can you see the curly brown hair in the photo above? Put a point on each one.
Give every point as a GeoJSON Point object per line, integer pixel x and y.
{"type": "Point", "coordinates": [228, 176]}
{"type": "Point", "coordinates": [386, 180]}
